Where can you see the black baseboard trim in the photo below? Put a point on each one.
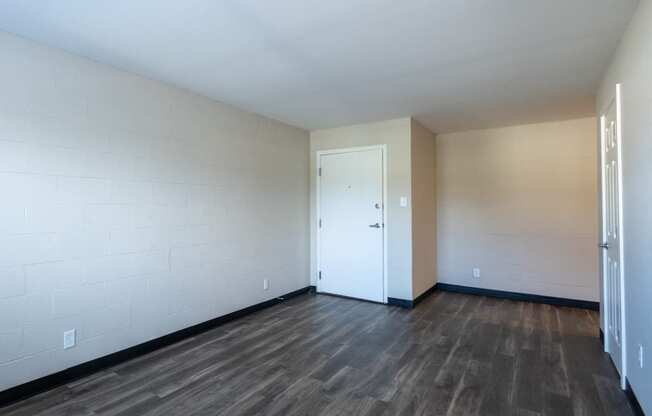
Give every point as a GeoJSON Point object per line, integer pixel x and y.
{"type": "Point", "coordinates": [601, 338]}
{"type": "Point", "coordinates": [526, 297]}
{"type": "Point", "coordinates": [410, 304]}
{"type": "Point", "coordinates": [347, 297]}
{"type": "Point", "coordinates": [424, 295]}
{"type": "Point", "coordinates": [633, 401]}
{"type": "Point", "coordinates": [40, 385]}
{"type": "Point", "coordinates": [401, 303]}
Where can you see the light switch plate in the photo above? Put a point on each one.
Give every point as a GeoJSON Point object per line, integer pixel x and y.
{"type": "Point", "coordinates": [403, 201]}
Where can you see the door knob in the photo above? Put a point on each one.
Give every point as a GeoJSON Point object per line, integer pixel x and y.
{"type": "Point", "coordinates": [604, 245]}
{"type": "Point", "coordinates": [376, 225]}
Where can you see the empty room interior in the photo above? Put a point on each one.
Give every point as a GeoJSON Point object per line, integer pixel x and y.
{"type": "Point", "coordinates": [309, 207]}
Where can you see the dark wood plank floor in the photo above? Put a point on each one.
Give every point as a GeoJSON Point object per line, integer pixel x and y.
{"type": "Point", "coordinates": [320, 355]}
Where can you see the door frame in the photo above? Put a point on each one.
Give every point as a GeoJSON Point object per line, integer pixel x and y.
{"type": "Point", "coordinates": [621, 242]}
{"type": "Point", "coordinates": [383, 153]}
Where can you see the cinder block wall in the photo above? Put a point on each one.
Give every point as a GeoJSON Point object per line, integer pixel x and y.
{"type": "Point", "coordinates": [520, 204]}
{"type": "Point", "coordinates": [131, 209]}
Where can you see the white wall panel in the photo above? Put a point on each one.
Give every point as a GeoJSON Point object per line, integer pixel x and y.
{"type": "Point", "coordinates": [131, 209]}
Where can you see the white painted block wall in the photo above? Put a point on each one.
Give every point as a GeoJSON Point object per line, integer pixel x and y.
{"type": "Point", "coordinates": [520, 204]}
{"type": "Point", "coordinates": [130, 209]}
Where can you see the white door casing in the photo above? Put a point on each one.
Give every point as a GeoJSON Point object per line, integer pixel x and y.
{"type": "Point", "coordinates": [351, 228]}
{"type": "Point", "coordinates": [613, 273]}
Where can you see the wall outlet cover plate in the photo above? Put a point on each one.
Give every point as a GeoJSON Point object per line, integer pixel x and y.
{"type": "Point", "coordinates": [69, 339]}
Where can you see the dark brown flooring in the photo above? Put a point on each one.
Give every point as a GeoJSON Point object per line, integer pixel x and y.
{"type": "Point", "coordinates": [321, 355]}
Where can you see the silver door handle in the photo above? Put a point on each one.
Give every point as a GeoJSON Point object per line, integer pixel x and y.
{"type": "Point", "coordinates": [376, 225]}
{"type": "Point", "coordinates": [604, 245]}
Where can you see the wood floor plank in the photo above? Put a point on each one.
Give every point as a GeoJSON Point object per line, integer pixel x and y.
{"type": "Point", "coordinates": [556, 405]}
{"type": "Point", "coordinates": [471, 390]}
{"type": "Point", "coordinates": [498, 397]}
{"type": "Point", "coordinates": [611, 397]}
{"type": "Point", "coordinates": [529, 392]}
{"type": "Point", "coordinates": [453, 354]}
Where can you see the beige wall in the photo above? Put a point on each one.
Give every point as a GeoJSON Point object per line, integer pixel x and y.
{"type": "Point", "coordinates": [520, 204]}
{"type": "Point", "coordinates": [131, 209]}
{"type": "Point", "coordinates": [424, 209]}
{"type": "Point", "coordinates": [396, 135]}
{"type": "Point", "coordinates": [632, 67]}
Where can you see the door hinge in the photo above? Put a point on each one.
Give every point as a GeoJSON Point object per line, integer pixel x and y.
{"type": "Point", "coordinates": [320, 223]}
{"type": "Point", "coordinates": [319, 275]}
{"type": "Point", "coordinates": [319, 171]}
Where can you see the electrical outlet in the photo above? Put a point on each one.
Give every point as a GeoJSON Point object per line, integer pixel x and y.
{"type": "Point", "coordinates": [640, 355]}
{"type": "Point", "coordinates": [476, 273]}
{"type": "Point", "coordinates": [69, 340]}
{"type": "Point", "coordinates": [265, 284]}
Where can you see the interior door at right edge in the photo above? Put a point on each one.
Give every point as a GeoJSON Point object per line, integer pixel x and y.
{"type": "Point", "coordinates": [612, 254]}
{"type": "Point", "coordinates": [351, 231]}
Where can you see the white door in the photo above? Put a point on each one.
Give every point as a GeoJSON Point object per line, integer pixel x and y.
{"type": "Point", "coordinates": [351, 224]}
{"type": "Point", "coordinates": [612, 235]}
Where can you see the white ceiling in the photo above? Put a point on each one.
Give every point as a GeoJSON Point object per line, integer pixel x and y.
{"type": "Point", "coordinates": [453, 64]}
